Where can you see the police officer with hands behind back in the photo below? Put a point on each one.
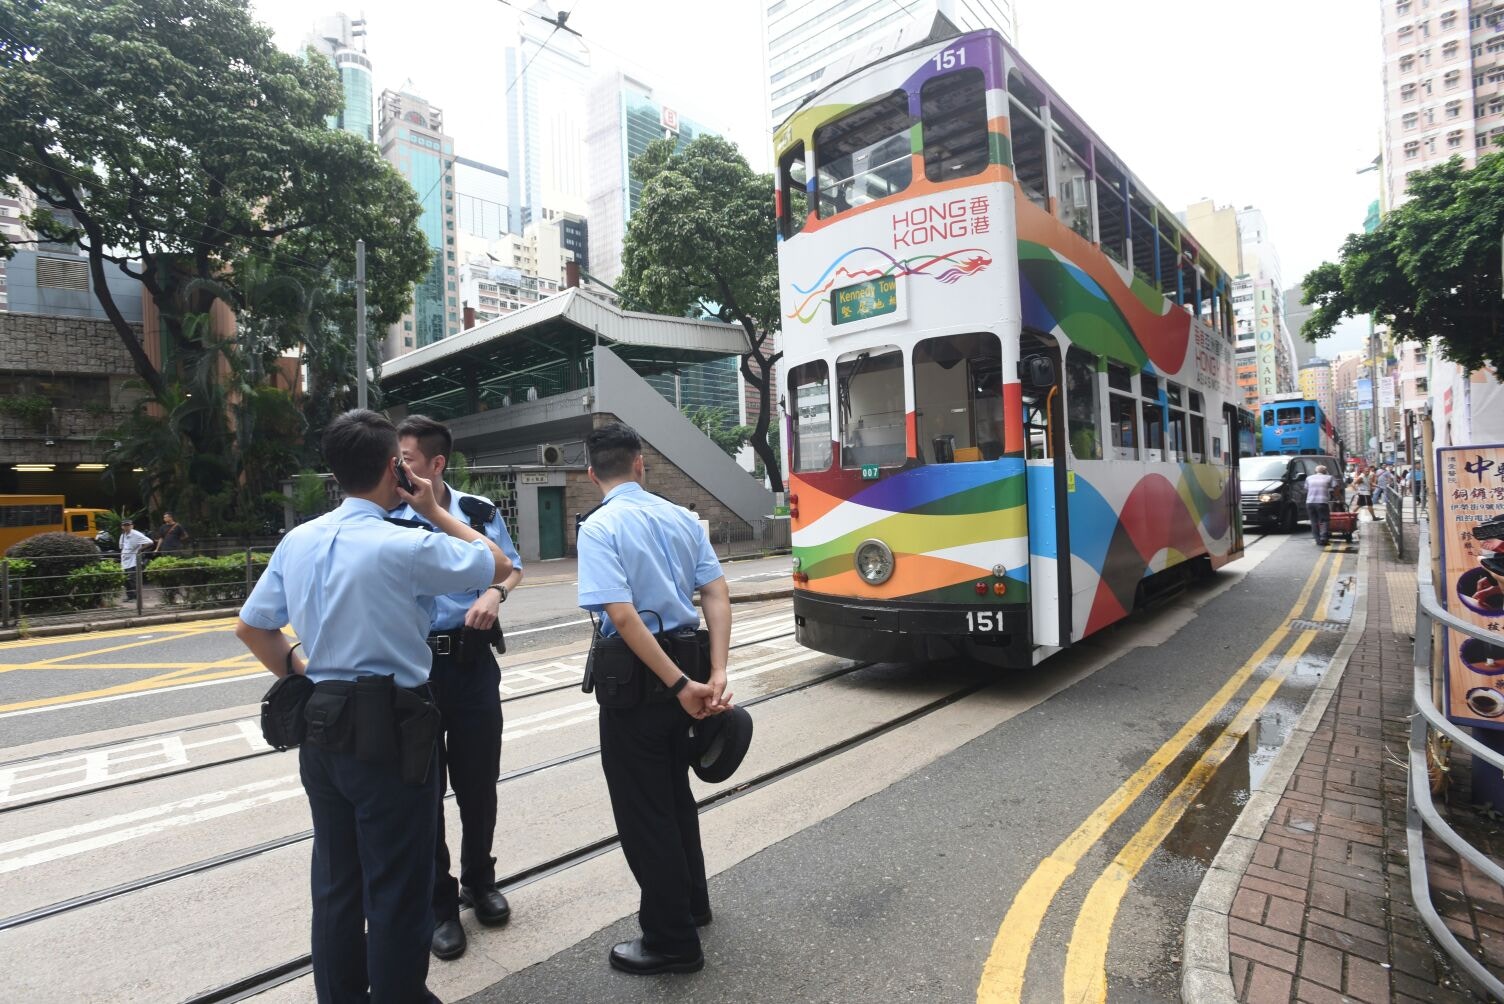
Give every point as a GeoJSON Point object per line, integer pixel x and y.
{"type": "Point", "coordinates": [359, 591]}
{"type": "Point", "coordinates": [641, 558]}
{"type": "Point", "coordinates": [466, 685]}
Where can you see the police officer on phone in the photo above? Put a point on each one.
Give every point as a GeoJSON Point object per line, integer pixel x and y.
{"type": "Point", "coordinates": [359, 592]}
{"type": "Point", "coordinates": [466, 685]}
{"type": "Point", "coordinates": [641, 558]}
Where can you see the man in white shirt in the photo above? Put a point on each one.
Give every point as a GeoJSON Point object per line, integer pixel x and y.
{"type": "Point", "coordinates": [131, 542]}
{"type": "Point", "coordinates": [1319, 504]}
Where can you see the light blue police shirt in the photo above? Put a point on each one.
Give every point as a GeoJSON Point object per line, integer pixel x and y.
{"type": "Point", "coordinates": [452, 607]}
{"type": "Point", "coordinates": [359, 591]}
{"type": "Point", "coordinates": [643, 550]}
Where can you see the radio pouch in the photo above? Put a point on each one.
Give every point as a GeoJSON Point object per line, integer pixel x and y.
{"type": "Point", "coordinates": [282, 723]}
{"type": "Point", "coordinates": [615, 674]}
{"type": "Point", "coordinates": [375, 722]}
{"type": "Point", "coordinates": [330, 716]}
{"type": "Point", "coordinates": [690, 650]}
{"type": "Point", "coordinates": [418, 722]}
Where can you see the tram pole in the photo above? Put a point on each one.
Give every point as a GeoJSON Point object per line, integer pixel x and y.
{"type": "Point", "coordinates": [360, 324]}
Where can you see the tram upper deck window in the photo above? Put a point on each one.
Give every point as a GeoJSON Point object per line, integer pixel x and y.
{"type": "Point", "coordinates": [809, 393]}
{"type": "Point", "coordinates": [1121, 412]}
{"type": "Point", "coordinates": [1308, 414]}
{"type": "Point", "coordinates": [1176, 439]}
{"type": "Point", "coordinates": [869, 394]}
{"type": "Point", "coordinates": [953, 109]}
{"type": "Point", "coordinates": [1082, 411]}
{"type": "Point", "coordinates": [1198, 429]}
{"type": "Point", "coordinates": [1289, 416]}
{"type": "Point", "coordinates": [793, 175]}
{"type": "Point", "coordinates": [958, 398]}
{"type": "Point", "coordinates": [864, 155]}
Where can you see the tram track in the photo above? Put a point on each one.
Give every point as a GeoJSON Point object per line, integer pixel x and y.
{"type": "Point", "coordinates": [285, 972]}
{"type": "Point", "coordinates": [172, 772]}
{"type": "Point", "coordinates": [71, 904]}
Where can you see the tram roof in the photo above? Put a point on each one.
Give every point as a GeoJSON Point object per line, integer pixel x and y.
{"type": "Point", "coordinates": [543, 335]}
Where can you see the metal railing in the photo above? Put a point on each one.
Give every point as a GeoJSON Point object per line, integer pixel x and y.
{"type": "Point", "coordinates": [1394, 517]}
{"type": "Point", "coordinates": [1420, 810]}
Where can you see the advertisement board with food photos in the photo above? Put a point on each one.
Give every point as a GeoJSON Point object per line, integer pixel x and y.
{"type": "Point", "coordinates": [1470, 528]}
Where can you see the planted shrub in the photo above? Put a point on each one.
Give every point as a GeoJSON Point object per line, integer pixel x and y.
{"type": "Point", "coordinates": [41, 566]}
{"type": "Point", "coordinates": [202, 582]}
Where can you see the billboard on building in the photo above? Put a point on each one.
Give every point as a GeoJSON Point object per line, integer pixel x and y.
{"type": "Point", "coordinates": [1470, 525]}
{"type": "Point", "coordinates": [1365, 392]}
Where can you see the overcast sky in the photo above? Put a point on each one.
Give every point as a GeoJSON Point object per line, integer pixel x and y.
{"type": "Point", "coordinates": [1274, 103]}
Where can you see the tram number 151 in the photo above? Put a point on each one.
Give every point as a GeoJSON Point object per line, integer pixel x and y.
{"type": "Point", "coordinates": [950, 59]}
{"type": "Point", "coordinates": [984, 620]}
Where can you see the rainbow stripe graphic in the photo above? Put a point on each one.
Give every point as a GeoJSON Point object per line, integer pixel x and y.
{"type": "Point", "coordinates": [961, 262]}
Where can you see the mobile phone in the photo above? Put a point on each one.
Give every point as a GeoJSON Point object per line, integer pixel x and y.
{"type": "Point", "coordinates": [403, 481]}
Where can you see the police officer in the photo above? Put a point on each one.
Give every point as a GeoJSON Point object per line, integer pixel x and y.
{"type": "Point", "coordinates": [359, 591]}
{"type": "Point", "coordinates": [640, 553]}
{"type": "Point", "coordinates": [466, 685]}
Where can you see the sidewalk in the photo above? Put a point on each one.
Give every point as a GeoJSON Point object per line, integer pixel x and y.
{"type": "Point", "coordinates": [1311, 902]}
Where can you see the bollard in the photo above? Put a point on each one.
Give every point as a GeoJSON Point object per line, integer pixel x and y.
{"type": "Point", "coordinates": [140, 605]}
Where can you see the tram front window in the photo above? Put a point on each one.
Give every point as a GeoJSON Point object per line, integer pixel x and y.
{"type": "Point", "coordinates": [864, 155]}
{"type": "Point", "coordinates": [809, 391]}
{"type": "Point", "coordinates": [869, 384]}
{"type": "Point", "coordinates": [958, 401]}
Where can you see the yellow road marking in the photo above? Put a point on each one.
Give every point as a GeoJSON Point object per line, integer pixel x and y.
{"type": "Point", "coordinates": [1086, 959]}
{"type": "Point", "coordinates": [187, 627]}
{"type": "Point", "coordinates": [1003, 973]}
{"type": "Point", "coordinates": [59, 660]}
{"type": "Point", "coordinates": [127, 688]}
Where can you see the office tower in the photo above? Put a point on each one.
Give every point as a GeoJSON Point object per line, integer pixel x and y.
{"type": "Point", "coordinates": [343, 40]}
{"type": "Point", "coordinates": [809, 44]}
{"type": "Point", "coordinates": [547, 76]}
{"type": "Point", "coordinates": [480, 199]}
{"type": "Point", "coordinates": [413, 140]}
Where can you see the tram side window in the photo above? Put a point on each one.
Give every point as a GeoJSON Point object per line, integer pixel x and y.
{"type": "Point", "coordinates": [864, 155]}
{"type": "Point", "coordinates": [793, 175]}
{"type": "Point", "coordinates": [1309, 415]}
{"type": "Point", "coordinates": [953, 109]}
{"type": "Point", "coordinates": [1268, 416]}
{"type": "Point", "coordinates": [1121, 412]}
{"type": "Point", "coordinates": [1177, 436]}
{"type": "Point", "coordinates": [1154, 417]}
{"type": "Point", "coordinates": [869, 392]}
{"type": "Point", "coordinates": [1082, 409]}
{"type": "Point", "coordinates": [1198, 428]}
{"type": "Point", "coordinates": [1029, 168]}
{"type": "Point", "coordinates": [958, 398]}
{"type": "Point", "coordinates": [809, 391]}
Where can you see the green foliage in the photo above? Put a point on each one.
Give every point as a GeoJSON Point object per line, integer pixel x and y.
{"type": "Point", "coordinates": [55, 553]}
{"type": "Point", "coordinates": [716, 423]}
{"type": "Point", "coordinates": [33, 409]}
{"type": "Point", "coordinates": [40, 586]}
{"type": "Point", "coordinates": [202, 582]}
{"type": "Point", "coordinates": [490, 486]}
{"type": "Point", "coordinates": [702, 240]}
{"type": "Point", "coordinates": [1430, 268]}
{"type": "Point", "coordinates": [94, 585]}
{"type": "Point", "coordinates": [309, 496]}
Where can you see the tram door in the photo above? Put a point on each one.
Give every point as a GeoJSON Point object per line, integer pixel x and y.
{"type": "Point", "coordinates": [1048, 472]}
{"type": "Point", "coordinates": [1237, 432]}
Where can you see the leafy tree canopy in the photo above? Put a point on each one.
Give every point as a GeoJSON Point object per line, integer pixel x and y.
{"type": "Point", "coordinates": [716, 423]}
{"type": "Point", "coordinates": [702, 240]}
{"type": "Point", "coordinates": [1430, 268]}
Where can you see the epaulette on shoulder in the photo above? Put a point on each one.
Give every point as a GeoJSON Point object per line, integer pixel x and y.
{"type": "Point", "coordinates": [478, 510]}
{"type": "Point", "coordinates": [416, 524]}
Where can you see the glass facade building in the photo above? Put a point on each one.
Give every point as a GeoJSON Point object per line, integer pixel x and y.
{"type": "Point", "coordinates": [342, 40]}
{"type": "Point", "coordinates": [480, 197]}
{"type": "Point", "coordinates": [548, 75]}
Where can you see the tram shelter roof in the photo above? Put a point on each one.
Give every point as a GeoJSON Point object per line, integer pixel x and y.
{"type": "Point", "coordinates": [547, 346]}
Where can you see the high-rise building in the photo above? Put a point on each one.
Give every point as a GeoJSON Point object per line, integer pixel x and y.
{"type": "Point", "coordinates": [1316, 384]}
{"type": "Point", "coordinates": [1443, 85]}
{"type": "Point", "coordinates": [1296, 314]}
{"type": "Point", "coordinates": [343, 40]}
{"type": "Point", "coordinates": [508, 273]}
{"type": "Point", "coordinates": [413, 140]}
{"type": "Point", "coordinates": [624, 117]}
{"type": "Point", "coordinates": [12, 210]}
{"type": "Point", "coordinates": [480, 199]}
{"type": "Point", "coordinates": [809, 44]}
{"type": "Point", "coordinates": [547, 77]}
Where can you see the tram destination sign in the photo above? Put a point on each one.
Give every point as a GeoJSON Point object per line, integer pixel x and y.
{"type": "Point", "coordinates": [863, 300]}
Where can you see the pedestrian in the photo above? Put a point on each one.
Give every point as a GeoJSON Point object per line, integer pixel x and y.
{"type": "Point", "coordinates": [466, 684]}
{"type": "Point", "coordinates": [1319, 504]}
{"type": "Point", "coordinates": [1385, 485]}
{"type": "Point", "coordinates": [172, 536]}
{"type": "Point", "coordinates": [133, 543]}
{"type": "Point", "coordinates": [359, 591]}
{"type": "Point", "coordinates": [1418, 485]}
{"type": "Point", "coordinates": [641, 556]}
{"type": "Point", "coordinates": [1363, 487]}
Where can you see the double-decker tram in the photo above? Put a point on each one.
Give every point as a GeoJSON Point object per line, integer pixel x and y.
{"type": "Point", "coordinates": [1294, 425]}
{"type": "Point", "coordinates": [1009, 398]}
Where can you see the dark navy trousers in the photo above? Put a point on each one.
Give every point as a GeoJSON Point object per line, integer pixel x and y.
{"type": "Point", "coordinates": [373, 840]}
{"type": "Point", "coordinates": [645, 757]}
{"type": "Point", "coordinates": [469, 699]}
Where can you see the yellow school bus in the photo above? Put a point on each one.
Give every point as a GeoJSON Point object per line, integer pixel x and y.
{"type": "Point", "coordinates": [23, 516]}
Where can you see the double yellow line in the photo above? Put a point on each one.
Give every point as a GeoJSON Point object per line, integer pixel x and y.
{"type": "Point", "coordinates": [1085, 972]}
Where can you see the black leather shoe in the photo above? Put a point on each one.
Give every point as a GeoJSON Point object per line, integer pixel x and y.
{"type": "Point", "coordinates": [491, 907]}
{"type": "Point", "coordinates": [631, 957]}
{"type": "Point", "coordinates": [703, 919]}
{"type": "Point", "coordinates": [448, 940]}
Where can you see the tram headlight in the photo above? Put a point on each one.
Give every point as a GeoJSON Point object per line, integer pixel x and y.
{"type": "Point", "coordinates": [1269, 497]}
{"type": "Point", "coordinates": [874, 562]}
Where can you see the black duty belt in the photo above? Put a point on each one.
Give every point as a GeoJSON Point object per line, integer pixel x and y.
{"type": "Point", "coordinates": [446, 642]}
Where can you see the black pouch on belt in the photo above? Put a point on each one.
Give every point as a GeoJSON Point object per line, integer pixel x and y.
{"type": "Point", "coordinates": [282, 722]}
{"type": "Point", "coordinates": [690, 650]}
{"type": "Point", "coordinates": [615, 672]}
{"type": "Point", "coordinates": [418, 723]}
{"type": "Point", "coordinates": [375, 719]}
{"type": "Point", "coordinates": [330, 716]}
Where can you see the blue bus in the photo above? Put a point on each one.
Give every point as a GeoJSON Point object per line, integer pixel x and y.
{"type": "Point", "coordinates": [1299, 426]}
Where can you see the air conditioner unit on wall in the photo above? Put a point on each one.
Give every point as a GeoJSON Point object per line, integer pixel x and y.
{"type": "Point", "coordinates": [550, 455]}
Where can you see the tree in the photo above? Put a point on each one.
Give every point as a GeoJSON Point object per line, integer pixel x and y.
{"type": "Point", "coordinates": [716, 424]}
{"type": "Point", "coordinates": [702, 239]}
{"type": "Point", "coordinates": [1431, 267]}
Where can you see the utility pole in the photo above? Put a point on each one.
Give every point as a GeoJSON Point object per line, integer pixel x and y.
{"type": "Point", "coordinates": [360, 324]}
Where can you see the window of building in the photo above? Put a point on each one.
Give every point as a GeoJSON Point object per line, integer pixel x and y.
{"type": "Point", "coordinates": [1454, 109]}
{"type": "Point", "coordinates": [1082, 404]}
{"type": "Point", "coordinates": [1454, 139]}
{"type": "Point", "coordinates": [1121, 412]}
{"type": "Point", "coordinates": [953, 110]}
{"type": "Point", "coordinates": [958, 398]}
{"type": "Point", "coordinates": [1407, 92]}
{"type": "Point", "coordinates": [864, 155]}
{"type": "Point", "coordinates": [793, 175]}
{"type": "Point", "coordinates": [1029, 168]}
{"type": "Point", "coordinates": [1478, 50]}
{"type": "Point", "coordinates": [869, 395]}
{"type": "Point", "coordinates": [1452, 79]}
{"type": "Point", "coordinates": [1406, 34]}
{"type": "Point", "coordinates": [1412, 149]}
{"type": "Point", "coordinates": [1495, 44]}
{"type": "Point", "coordinates": [1402, 7]}
{"type": "Point", "coordinates": [1448, 20]}
{"type": "Point", "coordinates": [1449, 50]}
{"type": "Point", "coordinates": [1410, 119]}
{"type": "Point", "coordinates": [1407, 63]}
{"type": "Point", "coordinates": [809, 414]}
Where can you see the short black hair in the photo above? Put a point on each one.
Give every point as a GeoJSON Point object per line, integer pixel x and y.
{"type": "Point", "coordinates": [359, 446]}
{"type": "Point", "coordinates": [433, 436]}
{"type": "Point", "coordinates": [612, 449]}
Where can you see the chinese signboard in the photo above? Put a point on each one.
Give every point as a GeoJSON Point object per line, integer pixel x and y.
{"type": "Point", "coordinates": [1470, 524]}
{"type": "Point", "coordinates": [864, 300]}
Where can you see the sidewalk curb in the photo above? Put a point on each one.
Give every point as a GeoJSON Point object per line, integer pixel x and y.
{"type": "Point", "coordinates": [90, 627]}
{"type": "Point", "coordinates": [1206, 972]}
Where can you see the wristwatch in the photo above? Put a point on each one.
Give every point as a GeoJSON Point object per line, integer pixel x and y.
{"type": "Point", "coordinates": [500, 590]}
{"type": "Point", "coordinates": [683, 682]}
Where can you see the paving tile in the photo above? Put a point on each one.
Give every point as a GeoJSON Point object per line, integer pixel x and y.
{"type": "Point", "coordinates": [1261, 954]}
{"type": "Point", "coordinates": [1267, 985]}
{"type": "Point", "coordinates": [1321, 964]}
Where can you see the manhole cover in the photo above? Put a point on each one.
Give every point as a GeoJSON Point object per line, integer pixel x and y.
{"type": "Point", "coordinates": [1334, 626]}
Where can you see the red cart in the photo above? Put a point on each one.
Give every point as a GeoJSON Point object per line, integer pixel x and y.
{"type": "Point", "coordinates": [1343, 522]}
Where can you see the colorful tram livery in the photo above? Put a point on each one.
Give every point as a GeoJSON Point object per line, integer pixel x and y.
{"type": "Point", "coordinates": [1298, 425]}
{"type": "Point", "coordinates": [1009, 398]}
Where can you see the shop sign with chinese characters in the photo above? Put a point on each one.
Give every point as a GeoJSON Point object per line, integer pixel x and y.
{"type": "Point", "coordinates": [1470, 526]}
